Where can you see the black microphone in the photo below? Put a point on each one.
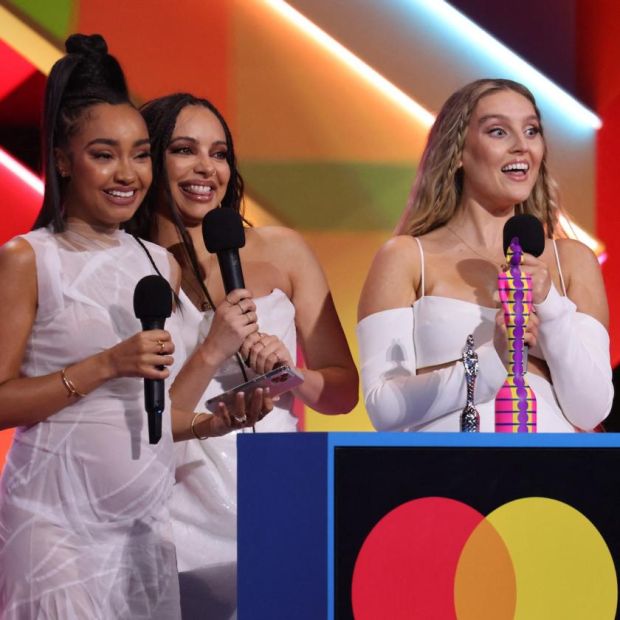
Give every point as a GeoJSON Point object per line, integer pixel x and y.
{"type": "Point", "coordinates": [528, 229]}
{"type": "Point", "coordinates": [223, 234]}
{"type": "Point", "coordinates": [531, 235]}
{"type": "Point", "coordinates": [152, 304]}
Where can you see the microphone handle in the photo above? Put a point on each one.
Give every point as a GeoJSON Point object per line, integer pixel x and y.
{"type": "Point", "coordinates": [154, 390]}
{"type": "Point", "coordinates": [154, 403]}
{"type": "Point", "coordinates": [230, 266]}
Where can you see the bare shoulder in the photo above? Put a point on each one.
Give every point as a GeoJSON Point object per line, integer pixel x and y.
{"type": "Point", "coordinates": [393, 277]}
{"type": "Point", "coordinates": [18, 271]}
{"type": "Point", "coordinates": [578, 260]}
{"type": "Point", "coordinates": [572, 251]}
{"type": "Point", "coordinates": [400, 254]}
{"type": "Point", "coordinates": [281, 244]}
{"type": "Point", "coordinates": [277, 237]}
{"type": "Point", "coordinates": [17, 254]}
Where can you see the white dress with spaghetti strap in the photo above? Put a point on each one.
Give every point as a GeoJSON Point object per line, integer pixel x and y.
{"type": "Point", "coordinates": [84, 499]}
{"type": "Point", "coordinates": [395, 343]}
{"type": "Point", "coordinates": [204, 507]}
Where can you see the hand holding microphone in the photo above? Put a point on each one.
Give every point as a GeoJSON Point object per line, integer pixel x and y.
{"type": "Point", "coordinates": [223, 234]}
{"type": "Point", "coordinates": [152, 302]}
{"type": "Point", "coordinates": [235, 318]}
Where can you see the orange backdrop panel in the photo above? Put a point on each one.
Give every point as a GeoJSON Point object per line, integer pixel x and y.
{"type": "Point", "coordinates": [166, 46]}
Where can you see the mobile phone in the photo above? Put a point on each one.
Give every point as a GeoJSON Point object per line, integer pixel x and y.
{"type": "Point", "coordinates": [279, 380]}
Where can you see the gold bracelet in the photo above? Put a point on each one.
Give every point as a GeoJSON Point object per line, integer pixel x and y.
{"type": "Point", "coordinates": [69, 385]}
{"type": "Point", "coordinates": [193, 425]}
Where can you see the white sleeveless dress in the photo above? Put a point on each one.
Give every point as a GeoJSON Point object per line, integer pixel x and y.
{"type": "Point", "coordinates": [204, 506]}
{"type": "Point", "coordinates": [84, 520]}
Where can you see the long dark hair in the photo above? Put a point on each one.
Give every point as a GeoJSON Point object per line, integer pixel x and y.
{"type": "Point", "coordinates": [161, 116]}
{"type": "Point", "coordinates": [86, 76]}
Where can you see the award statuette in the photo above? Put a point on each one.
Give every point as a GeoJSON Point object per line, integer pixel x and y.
{"type": "Point", "coordinates": [470, 418]}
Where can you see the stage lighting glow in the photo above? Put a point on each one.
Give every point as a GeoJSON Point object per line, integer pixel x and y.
{"type": "Point", "coordinates": [21, 172]}
{"type": "Point", "coordinates": [479, 39]}
{"type": "Point", "coordinates": [352, 61]}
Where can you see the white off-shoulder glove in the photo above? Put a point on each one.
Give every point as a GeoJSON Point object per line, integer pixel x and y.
{"type": "Point", "coordinates": [576, 348]}
{"type": "Point", "coordinates": [396, 398]}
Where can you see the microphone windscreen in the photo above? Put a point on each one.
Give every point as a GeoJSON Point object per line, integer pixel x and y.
{"type": "Point", "coordinates": [222, 229]}
{"type": "Point", "coordinates": [530, 232]}
{"type": "Point", "coordinates": [152, 298]}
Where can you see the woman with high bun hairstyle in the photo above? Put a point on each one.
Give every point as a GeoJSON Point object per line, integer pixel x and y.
{"type": "Point", "coordinates": [436, 281]}
{"type": "Point", "coordinates": [84, 524]}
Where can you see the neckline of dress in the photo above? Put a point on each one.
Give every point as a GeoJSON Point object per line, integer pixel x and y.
{"type": "Point", "coordinates": [457, 300]}
{"type": "Point", "coordinates": [75, 238]}
{"type": "Point", "coordinates": [275, 291]}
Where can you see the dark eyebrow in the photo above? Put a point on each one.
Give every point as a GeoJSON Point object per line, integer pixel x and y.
{"type": "Point", "coordinates": [502, 117]}
{"type": "Point", "coordinates": [194, 141]}
{"type": "Point", "coordinates": [109, 142]}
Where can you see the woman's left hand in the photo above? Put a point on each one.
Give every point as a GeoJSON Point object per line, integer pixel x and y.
{"type": "Point", "coordinates": [242, 412]}
{"type": "Point", "coordinates": [263, 352]}
{"type": "Point", "coordinates": [539, 273]}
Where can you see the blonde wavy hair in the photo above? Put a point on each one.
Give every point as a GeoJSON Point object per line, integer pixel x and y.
{"type": "Point", "coordinates": [436, 193]}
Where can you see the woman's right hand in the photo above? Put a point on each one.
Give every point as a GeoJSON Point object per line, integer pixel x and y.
{"type": "Point", "coordinates": [144, 355]}
{"type": "Point", "coordinates": [234, 320]}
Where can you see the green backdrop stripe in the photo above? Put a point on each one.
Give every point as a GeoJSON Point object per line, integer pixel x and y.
{"type": "Point", "coordinates": [331, 195]}
{"type": "Point", "coordinates": [54, 16]}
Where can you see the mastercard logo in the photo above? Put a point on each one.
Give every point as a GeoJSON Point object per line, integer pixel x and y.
{"type": "Point", "coordinates": [534, 558]}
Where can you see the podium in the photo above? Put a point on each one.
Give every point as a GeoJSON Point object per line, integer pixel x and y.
{"type": "Point", "coordinates": [428, 525]}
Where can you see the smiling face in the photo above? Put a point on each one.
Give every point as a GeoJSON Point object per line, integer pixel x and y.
{"type": "Point", "coordinates": [108, 166]}
{"type": "Point", "coordinates": [196, 165]}
{"type": "Point", "coordinates": [503, 151]}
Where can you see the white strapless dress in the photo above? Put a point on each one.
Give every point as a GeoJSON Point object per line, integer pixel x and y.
{"type": "Point", "coordinates": [204, 506]}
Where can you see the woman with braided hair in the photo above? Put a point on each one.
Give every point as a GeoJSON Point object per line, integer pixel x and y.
{"type": "Point", "coordinates": [436, 281]}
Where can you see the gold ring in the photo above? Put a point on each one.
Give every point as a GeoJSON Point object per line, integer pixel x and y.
{"type": "Point", "coordinates": [161, 347]}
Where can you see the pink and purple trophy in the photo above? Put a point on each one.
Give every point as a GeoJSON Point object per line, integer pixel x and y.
{"type": "Point", "coordinates": [515, 403]}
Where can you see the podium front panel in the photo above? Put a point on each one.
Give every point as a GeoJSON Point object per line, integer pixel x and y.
{"type": "Point", "coordinates": [367, 525]}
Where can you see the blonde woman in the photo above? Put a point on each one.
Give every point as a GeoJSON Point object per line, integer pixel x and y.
{"type": "Point", "coordinates": [436, 282]}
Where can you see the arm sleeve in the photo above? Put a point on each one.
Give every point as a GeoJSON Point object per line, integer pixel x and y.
{"type": "Point", "coordinates": [396, 398]}
{"type": "Point", "coordinates": [576, 349]}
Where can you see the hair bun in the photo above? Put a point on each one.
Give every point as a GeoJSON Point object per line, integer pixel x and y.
{"type": "Point", "coordinates": [86, 44]}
